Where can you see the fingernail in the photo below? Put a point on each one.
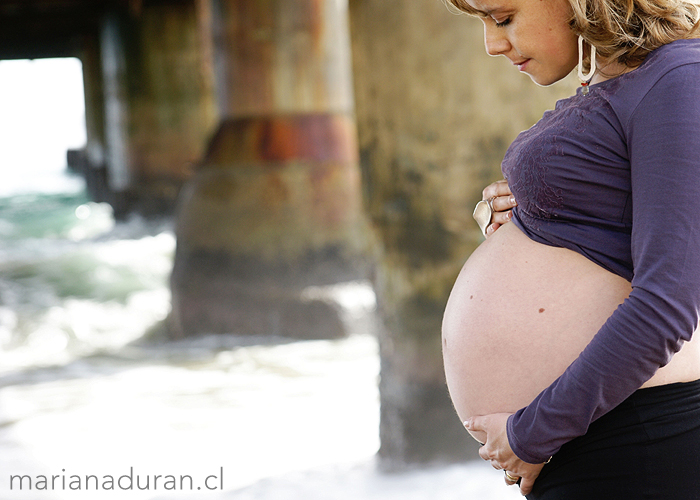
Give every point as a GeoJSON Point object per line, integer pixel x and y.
{"type": "Point", "coordinates": [467, 423]}
{"type": "Point", "coordinates": [512, 200]}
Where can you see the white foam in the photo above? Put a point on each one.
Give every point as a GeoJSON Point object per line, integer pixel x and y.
{"type": "Point", "coordinates": [294, 421]}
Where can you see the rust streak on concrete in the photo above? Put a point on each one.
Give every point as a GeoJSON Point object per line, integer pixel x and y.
{"type": "Point", "coordinates": [310, 137]}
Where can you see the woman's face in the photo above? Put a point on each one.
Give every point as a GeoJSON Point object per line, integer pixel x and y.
{"type": "Point", "coordinates": [533, 34]}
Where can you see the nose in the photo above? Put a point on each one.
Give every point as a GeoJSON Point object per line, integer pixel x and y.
{"type": "Point", "coordinates": [495, 41]}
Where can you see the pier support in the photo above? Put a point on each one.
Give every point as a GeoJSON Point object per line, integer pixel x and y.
{"type": "Point", "coordinates": [434, 115]}
{"type": "Point", "coordinates": [90, 161]}
{"type": "Point", "coordinates": [159, 106]}
{"type": "Point", "coordinates": [276, 204]}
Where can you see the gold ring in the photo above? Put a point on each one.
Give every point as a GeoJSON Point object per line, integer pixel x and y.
{"type": "Point", "coordinates": [512, 479]}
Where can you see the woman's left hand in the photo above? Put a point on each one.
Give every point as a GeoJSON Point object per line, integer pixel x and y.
{"type": "Point", "coordinates": [502, 203]}
{"type": "Point", "coordinates": [497, 450]}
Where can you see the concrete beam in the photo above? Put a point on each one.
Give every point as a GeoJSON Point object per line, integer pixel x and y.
{"type": "Point", "coordinates": [49, 28]}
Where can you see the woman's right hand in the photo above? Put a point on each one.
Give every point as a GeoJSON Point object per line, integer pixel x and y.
{"type": "Point", "coordinates": [503, 203]}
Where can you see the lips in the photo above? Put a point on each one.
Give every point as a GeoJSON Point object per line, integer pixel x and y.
{"type": "Point", "coordinates": [521, 64]}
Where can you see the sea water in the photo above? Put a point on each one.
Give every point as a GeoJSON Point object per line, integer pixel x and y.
{"type": "Point", "coordinates": [96, 403]}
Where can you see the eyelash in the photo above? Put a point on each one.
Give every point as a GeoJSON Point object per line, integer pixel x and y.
{"type": "Point", "coordinates": [503, 23]}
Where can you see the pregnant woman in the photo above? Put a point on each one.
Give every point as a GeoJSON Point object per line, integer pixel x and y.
{"type": "Point", "coordinates": [568, 337]}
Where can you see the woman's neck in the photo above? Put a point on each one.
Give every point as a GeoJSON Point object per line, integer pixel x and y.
{"type": "Point", "coordinates": [607, 71]}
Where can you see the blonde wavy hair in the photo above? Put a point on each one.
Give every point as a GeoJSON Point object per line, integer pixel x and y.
{"type": "Point", "coordinates": [626, 31]}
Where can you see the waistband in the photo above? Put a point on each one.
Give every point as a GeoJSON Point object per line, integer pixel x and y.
{"type": "Point", "coordinates": [664, 393]}
{"type": "Point", "coordinates": [663, 410]}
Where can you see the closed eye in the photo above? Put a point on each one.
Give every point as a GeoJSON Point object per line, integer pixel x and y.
{"type": "Point", "coordinates": [503, 23]}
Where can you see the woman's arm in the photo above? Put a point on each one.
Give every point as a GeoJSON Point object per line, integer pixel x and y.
{"type": "Point", "coordinates": [663, 137]}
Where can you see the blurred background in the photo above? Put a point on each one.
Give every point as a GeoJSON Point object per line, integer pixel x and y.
{"type": "Point", "coordinates": [228, 229]}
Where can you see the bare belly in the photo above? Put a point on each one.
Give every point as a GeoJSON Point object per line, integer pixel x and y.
{"type": "Point", "coordinates": [519, 313]}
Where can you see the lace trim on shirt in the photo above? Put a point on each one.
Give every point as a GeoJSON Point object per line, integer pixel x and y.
{"type": "Point", "coordinates": [538, 150]}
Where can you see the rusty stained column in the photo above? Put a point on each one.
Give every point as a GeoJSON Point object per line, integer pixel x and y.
{"type": "Point", "coordinates": [276, 204]}
{"type": "Point", "coordinates": [159, 102]}
{"type": "Point", "coordinates": [435, 115]}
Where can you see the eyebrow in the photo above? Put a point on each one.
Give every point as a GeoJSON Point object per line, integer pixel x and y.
{"type": "Point", "coordinates": [489, 12]}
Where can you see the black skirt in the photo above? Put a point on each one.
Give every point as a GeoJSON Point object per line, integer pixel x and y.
{"type": "Point", "coordinates": [646, 448]}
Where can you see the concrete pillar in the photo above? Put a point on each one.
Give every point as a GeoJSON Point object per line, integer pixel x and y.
{"type": "Point", "coordinates": [159, 102]}
{"type": "Point", "coordinates": [90, 162]}
{"type": "Point", "coordinates": [276, 204]}
{"type": "Point", "coordinates": [434, 116]}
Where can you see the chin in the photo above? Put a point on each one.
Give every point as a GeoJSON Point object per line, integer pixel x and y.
{"type": "Point", "coordinates": [545, 82]}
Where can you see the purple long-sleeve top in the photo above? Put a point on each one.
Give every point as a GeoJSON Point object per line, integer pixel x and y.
{"type": "Point", "coordinates": [615, 176]}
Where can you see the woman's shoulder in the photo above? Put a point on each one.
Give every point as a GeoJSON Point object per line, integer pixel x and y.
{"type": "Point", "coordinates": [663, 60]}
{"type": "Point", "coordinates": [673, 55]}
{"type": "Point", "coordinates": [672, 68]}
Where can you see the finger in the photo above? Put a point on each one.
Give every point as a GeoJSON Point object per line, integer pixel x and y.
{"type": "Point", "coordinates": [503, 203]}
{"type": "Point", "coordinates": [526, 485]}
{"type": "Point", "coordinates": [491, 229]}
{"type": "Point", "coordinates": [484, 454]}
{"type": "Point", "coordinates": [475, 424]}
{"type": "Point", "coordinates": [509, 481]}
{"type": "Point", "coordinates": [501, 217]}
{"type": "Point", "coordinates": [498, 188]}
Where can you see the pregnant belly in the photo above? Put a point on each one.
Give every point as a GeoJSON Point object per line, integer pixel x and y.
{"type": "Point", "coordinates": [519, 313]}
